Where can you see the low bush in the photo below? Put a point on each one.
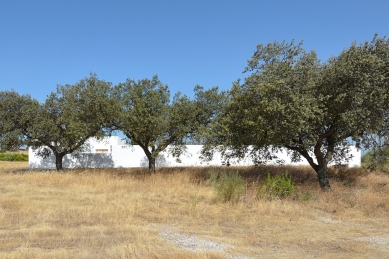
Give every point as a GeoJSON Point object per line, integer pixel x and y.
{"type": "Point", "coordinates": [13, 157]}
{"type": "Point", "coordinates": [228, 186]}
{"type": "Point", "coordinates": [377, 159]}
{"type": "Point", "coordinates": [277, 187]}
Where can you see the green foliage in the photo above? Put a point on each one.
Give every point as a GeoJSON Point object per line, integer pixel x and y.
{"type": "Point", "coordinates": [208, 104]}
{"type": "Point", "coordinates": [13, 157]}
{"type": "Point", "coordinates": [366, 158]}
{"type": "Point", "coordinates": [228, 186]}
{"type": "Point", "coordinates": [144, 112]}
{"type": "Point", "coordinates": [14, 117]}
{"type": "Point", "coordinates": [291, 100]}
{"type": "Point", "coordinates": [213, 177]}
{"type": "Point", "coordinates": [377, 158]}
{"type": "Point", "coordinates": [68, 117]}
{"type": "Point", "coordinates": [278, 187]}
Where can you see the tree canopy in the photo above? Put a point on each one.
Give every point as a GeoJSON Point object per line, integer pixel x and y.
{"type": "Point", "coordinates": [146, 115]}
{"type": "Point", "coordinates": [291, 100]}
{"type": "Point", "coordinates": [68, 118]}
{"type": "Point", "coordinates": [14, 110]}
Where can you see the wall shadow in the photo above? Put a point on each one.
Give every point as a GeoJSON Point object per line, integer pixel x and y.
{"type": "Point", "coordinates": [83, 160]}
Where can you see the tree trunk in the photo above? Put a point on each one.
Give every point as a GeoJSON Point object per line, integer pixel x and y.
{"type": "Point", "coordinates": [323, 177]}
{"type": "Point", "coordinates": [58, 161]}
{"type": "Point", "coordinates": [151, 165]}
{"type": "Point", "coordinates": [321, 166]}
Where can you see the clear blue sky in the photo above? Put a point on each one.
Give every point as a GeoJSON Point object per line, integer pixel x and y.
{"type": "Point", "coordinates": [206, 42]}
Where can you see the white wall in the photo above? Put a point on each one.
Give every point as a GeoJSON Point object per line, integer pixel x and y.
{"type": "Point", "coordinates": [105, 143]}
{"type": "Point", "coordinates": [121, 155]}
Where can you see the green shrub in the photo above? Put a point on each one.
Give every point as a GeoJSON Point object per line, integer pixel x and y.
{"type": "Point", "coordinates": [228, 186]}
{"type": "Point", "coordinates": [278, 187]}
{"type": "Point", "coordinates": [13, 157]}
{"type": "Point", "coordinates": [377, 159]}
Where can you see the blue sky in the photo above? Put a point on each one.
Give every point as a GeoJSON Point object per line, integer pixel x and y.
{"type": "Point", "coordinates": [45, 43]}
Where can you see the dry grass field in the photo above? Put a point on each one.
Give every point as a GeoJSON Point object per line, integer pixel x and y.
{"type": "Point", "coordinates": [126, 213]}
{"type": "Point", "coordinates": [5, 165]}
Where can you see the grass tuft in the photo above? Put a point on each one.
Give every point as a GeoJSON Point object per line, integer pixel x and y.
{"type": "Point", "coordinates": [277, 187]}
{"type": "Point", "coordinates": [228, 186]}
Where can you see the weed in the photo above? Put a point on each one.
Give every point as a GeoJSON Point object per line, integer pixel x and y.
{"type": "Point", "coordinates": [278, 187]}
{"type": "Point", "coordinates": [228, 186]}
{"type": "Point", "coordinates": [193, 200]}
{"type": "Point", "coordinates": [307, 196]}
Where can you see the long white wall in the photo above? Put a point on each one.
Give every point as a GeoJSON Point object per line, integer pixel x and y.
{"type": "Point", "coordinates": [121, 155]}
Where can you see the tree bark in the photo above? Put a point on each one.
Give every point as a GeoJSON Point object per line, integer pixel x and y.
{"type": "Point", "coordinates": [323, 177]}
{"type": "Point", "coordinates": [151, 165]}
{"type": "Point", "coordinates": [150, 158]}
{"type": "Point", "coordinates": [58, 161]}
{"type": "Point", "coordinates": [320, 167]}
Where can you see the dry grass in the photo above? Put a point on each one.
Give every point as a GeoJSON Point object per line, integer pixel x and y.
{"type": "Point", "coordinates": [121, 214]}
{"type": "Point", "coordinates": [6, 165]}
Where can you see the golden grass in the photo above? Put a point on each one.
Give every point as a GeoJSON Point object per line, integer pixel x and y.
{"type": "Point", "coordinates": [121, 213]}
{"type": "Point", "coordinates": [7, 165]}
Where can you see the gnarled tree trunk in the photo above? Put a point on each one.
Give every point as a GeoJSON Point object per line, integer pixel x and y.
{"type": "Point", "coordinates": [322, 174]}
{"type": "Point", "coordinates": [58, 161]}
{"type": "Point", "coordinates": [151, 165]}
{"type": "Point", "coordinates": [321, 166]}
{"type": "Point", "coordinates": [149, 156]}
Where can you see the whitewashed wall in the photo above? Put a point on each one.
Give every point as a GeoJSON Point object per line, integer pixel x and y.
{"type": "Point", "coordinates": [121, 155]}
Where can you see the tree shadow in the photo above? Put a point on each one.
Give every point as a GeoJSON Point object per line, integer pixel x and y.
{"type": "Point", "coordinates": [82, 160]}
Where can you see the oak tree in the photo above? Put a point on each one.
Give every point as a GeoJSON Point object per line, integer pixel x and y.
{"type": "Point", "coordinates": [14, 116]}
{"type": "Point", "coordinates": [147, 116]}
{"type": "Point", "coordinates": [292, 100]}
{"type": "Point", "coordinates": [68, 118]}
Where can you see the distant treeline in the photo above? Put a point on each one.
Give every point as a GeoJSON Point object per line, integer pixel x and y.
{"type": "Point", "coordinates": [13, 157]}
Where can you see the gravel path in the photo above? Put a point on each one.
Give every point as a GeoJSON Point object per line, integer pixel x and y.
{"type": "Point", "coordinates": [195, 244]}
{"type": "Point", "coordinates": [380, 243]}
